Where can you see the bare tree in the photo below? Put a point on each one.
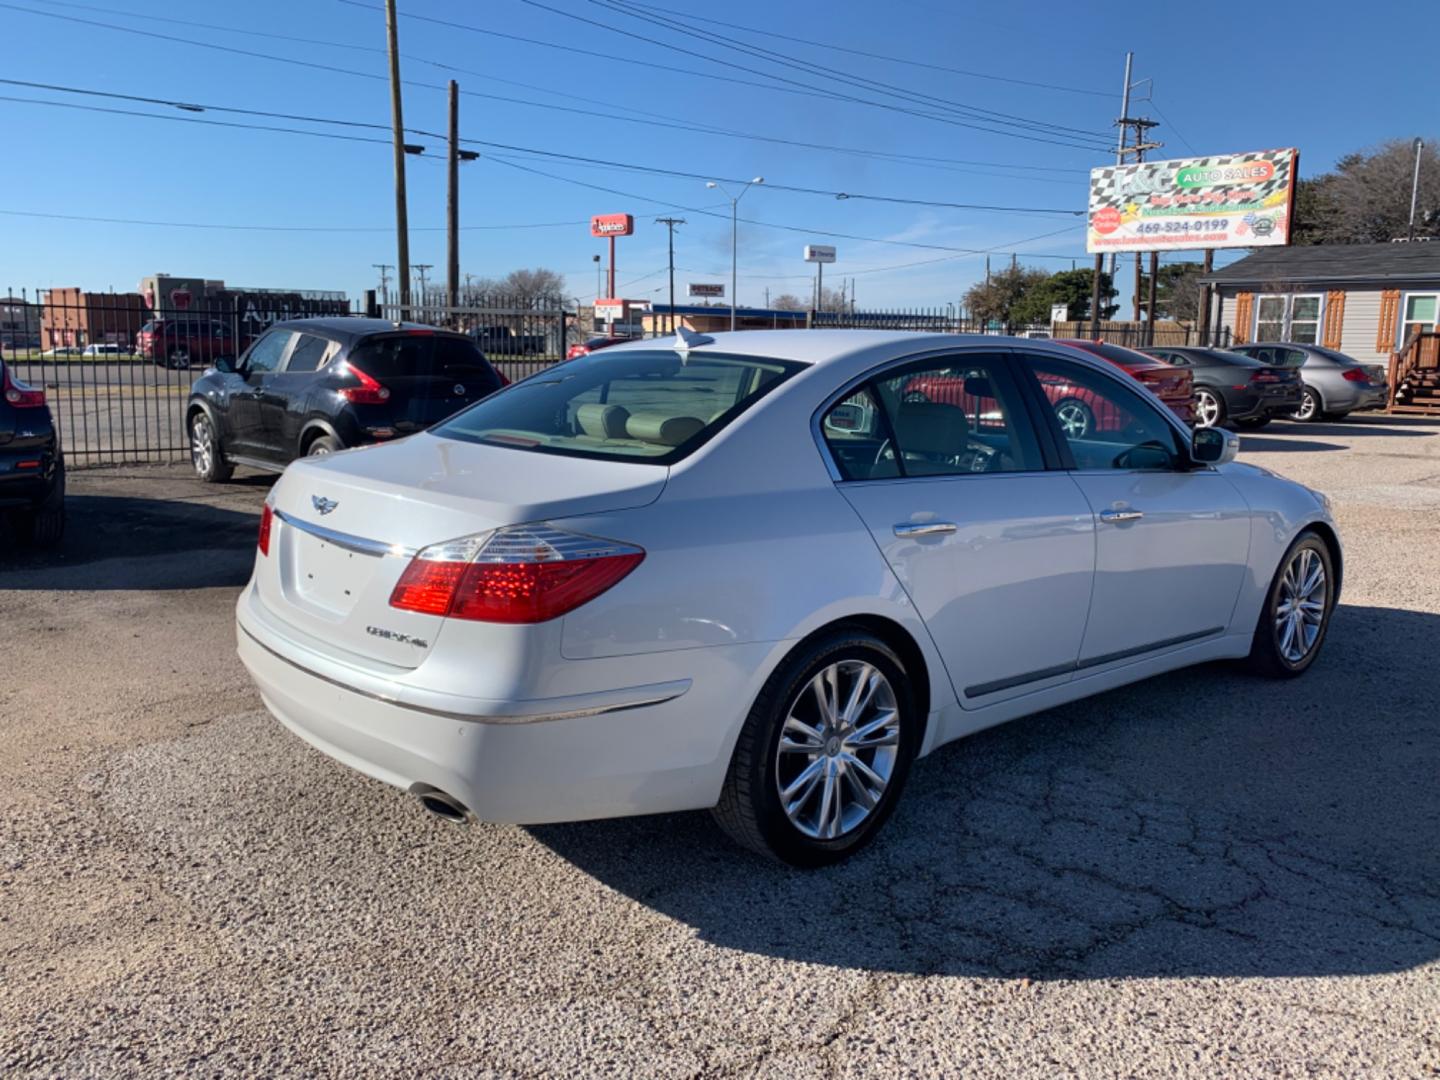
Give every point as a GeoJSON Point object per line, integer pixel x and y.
{"type": "Point", "coordinates": [1366, 200]}
{"type": "Point", "coordinates": [788, 302]}
{"type": "Point", "coordinates": [527, 287]}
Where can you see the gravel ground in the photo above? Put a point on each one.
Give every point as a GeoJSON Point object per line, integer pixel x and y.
{"type": "Point", "coordinates": [1201, 875]}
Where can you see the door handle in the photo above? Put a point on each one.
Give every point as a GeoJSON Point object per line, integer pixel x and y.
{"type": "Point", "coordinates": [925, 528]}
{"type": "Point", "coordinates": [1121, 515]}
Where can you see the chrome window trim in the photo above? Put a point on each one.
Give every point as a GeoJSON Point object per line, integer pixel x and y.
{"type": "Point", "coordinates": [358, 544]}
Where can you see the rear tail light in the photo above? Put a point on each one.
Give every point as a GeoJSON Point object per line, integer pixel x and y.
{"type": "Point", "coordinates": [504, 379]}
{"type": "Point", "coordinates": [1356, 374]}
{"type": "Point", "coordinates": [266, 517]}
{"type": "Point", "coordinates": [1265, 375]}
{"type": "Point", "coordinates": [20, 395]}
{"type": "Point", "coordinates": [369, 392]}
{"type": "Point", "coordinates": [519, 574]}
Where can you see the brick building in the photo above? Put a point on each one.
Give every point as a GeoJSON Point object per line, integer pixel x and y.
{"type": "Point", "coordinates": [74, 317]}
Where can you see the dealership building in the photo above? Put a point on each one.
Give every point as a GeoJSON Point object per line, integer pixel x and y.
{"type": "Point", "coordinates": [1366, 300]}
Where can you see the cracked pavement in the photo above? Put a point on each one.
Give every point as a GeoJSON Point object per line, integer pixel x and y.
{"type": "Point", "coordinates": [1204, 874]}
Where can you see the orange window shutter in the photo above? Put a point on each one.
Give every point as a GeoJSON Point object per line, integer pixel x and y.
{"type": "Point", "coordinates": [1389, 316]}
{"type": "Point", "coordinates": [1334, 319]}
{"type": "Point", "coordinates": [1244, 315]}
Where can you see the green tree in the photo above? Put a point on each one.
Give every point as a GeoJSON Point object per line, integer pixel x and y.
{"type": "Point", "coordinates": [1177, 291]}
{"type": "Point", "coordinates": [997, 297]}
{"type": "Point", "coordinates": [1069, 287]}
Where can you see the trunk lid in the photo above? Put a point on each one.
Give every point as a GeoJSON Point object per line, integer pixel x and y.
{"type": "Point", "coordinates": [347, 526]}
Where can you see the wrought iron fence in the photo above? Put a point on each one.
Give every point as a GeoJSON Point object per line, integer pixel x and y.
{"type": "Point", "coordinates": [946, 320]}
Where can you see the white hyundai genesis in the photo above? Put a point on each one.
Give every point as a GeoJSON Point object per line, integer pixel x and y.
{"type": "Point", "coordinates": [762, 573]}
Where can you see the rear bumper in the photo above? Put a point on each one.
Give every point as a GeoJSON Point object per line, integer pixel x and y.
{"type": "Point", "coordinates": [1351, 397]}
{"type": "Point", "coordinates": [647, 747]}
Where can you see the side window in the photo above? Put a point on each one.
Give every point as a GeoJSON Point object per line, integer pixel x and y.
{"type": "Point", "coordinates": [859, 441]}
{"type": "Point", "coordinates": [1105, 423]}
{"type": "Point", "coordinates": [1176, 358]}
{"type": "Point", "coordinates": [1292, 358]}
{"type": "Point", "coordinates": [264, 356]}
{"type": "Point", "coordinates": [308, 352]}
{"type": "Point", "coordinates": [951, 417]}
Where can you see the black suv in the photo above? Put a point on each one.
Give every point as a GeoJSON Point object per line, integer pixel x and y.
{"type": "Point", "coordinates": [32, 470]}
{"type": "Point", "coordinates": [314, 386]}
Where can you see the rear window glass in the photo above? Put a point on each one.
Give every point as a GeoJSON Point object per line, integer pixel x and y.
{"type": "Point", "coordinates": [1224, 356]}
{"type": "Point", "coordinates": [436, 356]}
{"type": "Point", "coordinates": [1115, 353]}
{"type": "Point", "coordinates": [628, 406]}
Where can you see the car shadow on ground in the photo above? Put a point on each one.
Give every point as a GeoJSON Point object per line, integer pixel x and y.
{"type": "Point", "coordinates": [1257, 444]}
{"type": "Point", "coordinates": [1395, 427]}
{"type": "Point", "coordinates": [112, 542]}
{"type": "Point", "coordinates": [1201, 823]}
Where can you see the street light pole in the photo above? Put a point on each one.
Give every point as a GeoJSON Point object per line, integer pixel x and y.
{"type": "Point", "coordinates": [734, 235]}
{"type": "Point", "coordinates": [1414, 190]}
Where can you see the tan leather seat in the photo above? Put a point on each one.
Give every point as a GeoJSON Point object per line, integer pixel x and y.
{"type": "Point", "coordinates": [603, 421]}
{"type": "Point", "coordinates": [662, 428]}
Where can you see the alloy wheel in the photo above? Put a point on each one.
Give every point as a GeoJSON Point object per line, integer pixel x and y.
{"type": "Point", "coordinates": [202, 444]}
{"type": "Point", "coordinates": [1309, 406]}
{"type": "Point", "coordinates": [838, 749]}
{"type": "Point", "coordinates": [1207, 409]}
{"type": "Point", "coordinates": [1301, 605]}
{"type": "Point", "coordinates": [1075, 419]}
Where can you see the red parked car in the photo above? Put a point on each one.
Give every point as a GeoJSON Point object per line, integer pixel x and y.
{"type": "Point", "coordinates": [179, 342]}
{"type": "Point", "coordinates": [1169, 383]}
{"type": "Point", "coordinates": [585, 348]}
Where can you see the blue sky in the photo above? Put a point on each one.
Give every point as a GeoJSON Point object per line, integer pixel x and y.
{"type": "Point", "coordinates": [1224, 79]}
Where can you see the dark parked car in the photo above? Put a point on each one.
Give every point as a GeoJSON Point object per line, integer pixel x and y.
{"type": "Point", "coordinates": [32, 469]}
{"type": "Point", "coordinates": [1334, 384]}
{"type": "Point", "coordinates": [314, 386]}
{"type": "Point", "coordinates": [1233, 388]}
{"type": "Point", "coordinates": [178, 342]}
{"type": "Point", "coordinates": [1170, 384]}
{"type": "Point", "coordinates": [503, 341]}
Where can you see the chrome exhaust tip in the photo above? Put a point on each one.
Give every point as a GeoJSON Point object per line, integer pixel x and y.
{"type": "Point", "coordinates": [440, 805]}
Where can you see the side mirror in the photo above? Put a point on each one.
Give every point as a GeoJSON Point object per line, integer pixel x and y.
{"type": "Point", "coordinates": [1214, 446]}
{"type": "Point", "coordinates": [225, 365]}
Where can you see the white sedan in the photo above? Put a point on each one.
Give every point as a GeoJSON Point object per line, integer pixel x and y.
{"type": "Point", "coordinates": [762, 573]}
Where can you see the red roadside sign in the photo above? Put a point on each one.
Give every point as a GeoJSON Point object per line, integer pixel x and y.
{"type": "Point", "coordinates": [612, 225]}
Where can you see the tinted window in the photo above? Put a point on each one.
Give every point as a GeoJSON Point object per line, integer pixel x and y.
{"type": "Point", "coordinates": [959, 416]}
{"type": "Point", "coordinates": [265, 354]}
{"type": "Point", "coordinates": [309, 350]}
{"type": "Point", "coordinates": [1105, 423]}
{"type": "Point", "coordinates": [437, 356]}
{"type": "Point", "coordinates": [652, 406]}
{"type": "Point", "coordinates": [1114, 353]}
{"type": "Point", "coordinates": [1223, 356]}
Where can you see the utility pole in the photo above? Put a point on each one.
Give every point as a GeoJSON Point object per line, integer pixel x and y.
{"type": "Point", "coordinates": [420, 269]}
{"type": "Point", "coordinates": [397, 123]}
{"type": "Point", "coordinates": [670, 223]}
{"type": "Point", "coordinates": [1203, 315]}
{"type": "Point", "coordinates": [452, 204]}
{"type": "Point", "coordinates": [1414, 190]}
{"type": "Point", "coordinates": [384, 269]}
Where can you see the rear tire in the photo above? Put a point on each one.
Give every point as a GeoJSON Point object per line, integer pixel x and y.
{"type": "Point", "coordinates": [43, 525]}
{"type": "Point", "coordinates": [323, 446]}
{"type": "Point", "coordinates": [1284, 646]}
{"type": "Point", "coordinates": [1209, 408]}
{"type": "Point", "coordinates": [1077, 420]}
{"type": "Point", "coordinates": [843, 760]}
{"type": "Point", "coordinates": [1310, 406]}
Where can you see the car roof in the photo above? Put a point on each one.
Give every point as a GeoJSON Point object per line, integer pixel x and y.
{"type": "Point", "coordinates": [348, 329]}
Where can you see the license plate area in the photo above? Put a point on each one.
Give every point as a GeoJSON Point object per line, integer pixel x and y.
{"type": "Point", "coordinates": [326, 576]}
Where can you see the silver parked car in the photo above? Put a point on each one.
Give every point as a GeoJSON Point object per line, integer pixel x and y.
{"type": "Point", "coordinates": [762, 573]}
{"type": "Point", "coordinates": [1335, 384]}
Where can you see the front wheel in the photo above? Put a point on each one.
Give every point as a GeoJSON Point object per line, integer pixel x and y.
{"type": "Point", "coordinates": [1297, 611]}
{"type": "Point", "coordinates": [824, 753]}
{"type": "Point", "coordinates": [1077, 420]}
{"type": "Point", "coordinates": [205, 453]}
{"type": "Point", "coordinates": [323, 446]}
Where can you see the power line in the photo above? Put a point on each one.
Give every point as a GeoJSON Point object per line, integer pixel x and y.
{"type": "Point", "coordinates": [683, 25]}
{"type": "Point", "coordinates": [573, 158]}
{"type": "Point", "coordinates": [670, 46]}
{"type": "Point", "coordinates": [282, 228]}
{"type": "Point", "coordinates": [1184, 141]}
{"type": "Point", "coordinates": [868, 54]}
{"type": "Point", "coordinates": [920, 160]}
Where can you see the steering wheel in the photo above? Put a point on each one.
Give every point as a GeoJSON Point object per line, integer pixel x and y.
{"type": "Point", "coordinates": [984, 458]}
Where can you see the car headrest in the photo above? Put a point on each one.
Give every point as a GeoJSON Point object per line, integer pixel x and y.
{"type": "Point", "coordinates": [662, 428]}
{"type": "Point", "coordinates": [603, 421]}
{"type": "Point", "coordinates": [931, 427]}
{"type": "Point", "coordinates": [979, 386]}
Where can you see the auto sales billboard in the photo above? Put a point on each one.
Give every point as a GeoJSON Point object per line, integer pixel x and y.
{"type": "Point", "coordinates": [1231, 200]}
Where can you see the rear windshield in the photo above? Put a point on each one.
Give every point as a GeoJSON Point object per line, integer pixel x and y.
{"type": "Point", "coordinates": [1338, 357]}
{"type": "Point", "coordinates": [1224, 356]}
{"type": "Point", "coordinates": [421, 356]}
{"type": "Point", "coordinates": [1114, 353]}
{"type": "Point", "coordinates": [625, 406]}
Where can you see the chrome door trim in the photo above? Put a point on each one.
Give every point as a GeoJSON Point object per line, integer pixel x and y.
{"type": "Point", "coordinates": [981, 689]}
{"type": "Point", "coordinates": [359, 544]}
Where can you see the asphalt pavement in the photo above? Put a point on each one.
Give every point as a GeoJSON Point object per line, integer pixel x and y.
{"type": "Point", "coordinates": [1202, 875]}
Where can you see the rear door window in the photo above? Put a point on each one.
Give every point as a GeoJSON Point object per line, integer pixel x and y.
{"type": "Point", "coordinates": [309, 350]}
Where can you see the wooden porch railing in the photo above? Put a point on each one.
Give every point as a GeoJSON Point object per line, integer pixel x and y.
{"type": "Point", "coordinates": [1420, 353]}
